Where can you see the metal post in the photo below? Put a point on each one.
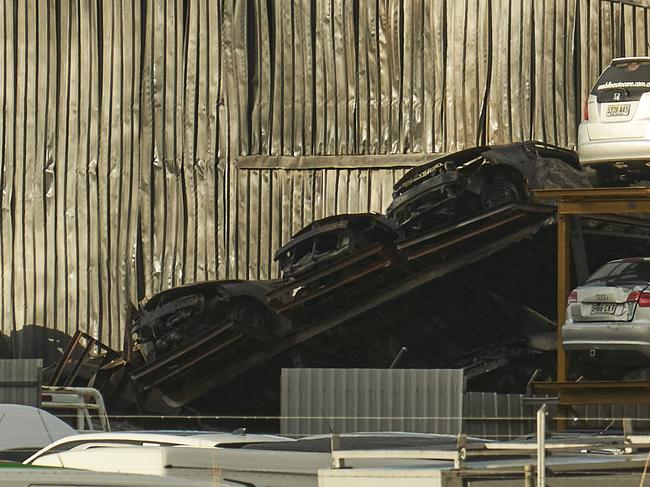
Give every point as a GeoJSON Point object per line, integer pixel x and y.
{"type": "Point", "coordinates": [541, 451]}
{"type": "Point", "coordinates": [529, 476]}
{"type": "Point", "coordinates": [335, 444]}
{"type": "Point", "coordinates": [563, 276]}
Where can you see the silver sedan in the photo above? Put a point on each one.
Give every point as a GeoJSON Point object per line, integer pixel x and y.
{"type": "Point", "coordinates": [608, 317]}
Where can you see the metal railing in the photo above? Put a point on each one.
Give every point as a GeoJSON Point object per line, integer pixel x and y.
{"type": "Point", "coordinates": [83, 400]}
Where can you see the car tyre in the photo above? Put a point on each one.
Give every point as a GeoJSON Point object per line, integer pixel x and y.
{"type": "Point", "coordinates": [500, 191]}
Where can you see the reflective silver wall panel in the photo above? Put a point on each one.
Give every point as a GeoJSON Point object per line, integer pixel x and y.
{"type": "Point", "coordinates": [317, 401]}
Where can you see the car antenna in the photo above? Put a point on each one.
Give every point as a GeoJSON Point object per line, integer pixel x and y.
{"type": "Point", "coordinates": [398, 358]}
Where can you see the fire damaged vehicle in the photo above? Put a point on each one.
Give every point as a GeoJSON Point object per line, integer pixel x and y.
{"type": "Point", "coordinates": [482, 177]}
{"type": "Point", "coordinates": [316, 245]}
{"type": "Point", "coordinates": [181, 315]}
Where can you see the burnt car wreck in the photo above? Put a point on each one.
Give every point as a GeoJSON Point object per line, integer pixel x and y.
{"type": "Point", "coordinates": [317, 244]}
{"type": "Point", "coordinates": [176, 316]}
{"type": "Point", "coordinates": [482, 177]}
{"type": "Point", "coordinates": [190, 329]}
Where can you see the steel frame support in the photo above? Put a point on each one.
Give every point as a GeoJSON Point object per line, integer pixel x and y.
{"type": "Point", "coordinates": [563, 284]}
{"type": "Point", "coordinates": [596, 392]}
{"type": "Point", "coordinates": [577, 203]}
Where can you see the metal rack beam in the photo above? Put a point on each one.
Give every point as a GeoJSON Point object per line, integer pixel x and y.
{"type": "Point", "coordinates": [584, 202]}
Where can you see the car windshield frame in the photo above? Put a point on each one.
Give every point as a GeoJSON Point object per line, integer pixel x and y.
{"type": "Point", "coordinates": [617, 273]}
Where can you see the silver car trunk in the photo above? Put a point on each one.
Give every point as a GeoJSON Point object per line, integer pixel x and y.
{"type": "Point", "coordinates": [604, 303]}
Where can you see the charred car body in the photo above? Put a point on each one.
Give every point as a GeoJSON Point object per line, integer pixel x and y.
{"type": "Point", "coordinates": [176, 316]}
{"type": "Point", "coordinates": [481, 177]}
{"type": "Point", "coordinates": [323, 240]}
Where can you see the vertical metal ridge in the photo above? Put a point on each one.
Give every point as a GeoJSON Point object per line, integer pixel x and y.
{"type": "Point", "coordinates": [7, 132]}
{"type": "Point", "coordinates": [5, 271]}
{"type": "Point", "coordinates": [18, 291]}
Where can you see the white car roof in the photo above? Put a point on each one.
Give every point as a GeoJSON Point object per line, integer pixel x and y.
{"type": "Point", "coordinates": [631, 58]}
{"type": "Point", "coordinates": [188, 438]}
{"type": "Point", "coordinates": [29, 427]}
{"type": "Point", "coordinates": [182, 438]}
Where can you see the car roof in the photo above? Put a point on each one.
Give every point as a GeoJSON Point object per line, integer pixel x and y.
{"type": "Point", "coordinates": [631, 58]}
{"type": "Point", "coordinates": [630, 259]}
{"type": "Point", "coordinates": [188, 438]}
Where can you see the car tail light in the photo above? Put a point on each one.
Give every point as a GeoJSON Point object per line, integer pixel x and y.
{"type": "Point", "coordinates": [585, 110]}
{"type": "Point", "coordinates": [642, 299]}
{"type": "Point", "coordinates": [573, 297]}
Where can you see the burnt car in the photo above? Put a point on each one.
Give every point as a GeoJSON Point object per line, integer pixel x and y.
{"type": "Point", "coordinates": [318, 243]}
{"type": "Point", "coordinates": [482, 177]}
{"type": "Point", "coordinates": [179, 315]}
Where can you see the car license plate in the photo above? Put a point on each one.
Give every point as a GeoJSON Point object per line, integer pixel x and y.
{"type": "Point", "coordinates": [603, 308]}
{"type": "Point", "coordinates": [618, 110]}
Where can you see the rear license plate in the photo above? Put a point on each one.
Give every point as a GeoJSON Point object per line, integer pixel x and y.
{"type": "Point", "coordinates": [618, 110]}
{"type": "Point", "coordinates": [603, 308]}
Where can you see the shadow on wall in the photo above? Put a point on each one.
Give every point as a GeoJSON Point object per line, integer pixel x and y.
{"type": "Point", "coordinates": [34, 341]}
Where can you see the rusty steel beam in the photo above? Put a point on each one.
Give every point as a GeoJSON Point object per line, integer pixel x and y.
{"type": "Point", "coordinates": [177, 354]}
{"type": "Point", "coordinates": [429, 249]}
{"type": "Point", "coordinates": [592, 201]}
{"type": "Point", "coordinates": [615, 206]}
{"type": "Point", "coordinates": [596, 392]}
{"type": "Point", "coordinates": [195, 360]}
{"type": "Point", "coordinates": [66, 358]}
{"type": "Point", "coordinates": [494, 212]}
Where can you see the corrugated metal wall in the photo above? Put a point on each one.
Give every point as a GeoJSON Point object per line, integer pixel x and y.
{"type": "Point", "coordinates": [69, 134]}
{"type": "Point", "coordinates": [20, 382]}
{"type": "Point", "coordinates": [317, 401]}
{"type": "Point", "coordinates": [496, 416]}
{"type": "Point", "coordinates": [506, 416]}
{"type": "Point", "coordinates": [122, 122]}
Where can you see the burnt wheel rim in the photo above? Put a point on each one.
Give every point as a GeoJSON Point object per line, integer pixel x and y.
{"type": "Point", "coordinates": [500, 192]}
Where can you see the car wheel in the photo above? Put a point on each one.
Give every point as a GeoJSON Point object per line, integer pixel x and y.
{"type": "Point", "coordinates": [602, 177]}
{"type": "Point", "coordinates": [252, 319]}
{"type": "Point", "coordinates": [500, 191]}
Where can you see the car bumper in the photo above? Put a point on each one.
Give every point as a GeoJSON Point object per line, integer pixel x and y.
{"type": "Point", "coordinates": [611, 150]}
{"type": "Point", "coordinates": [625, 336]}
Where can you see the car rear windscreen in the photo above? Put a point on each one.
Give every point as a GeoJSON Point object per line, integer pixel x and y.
{"type": "Point", "coordinates": [621, 273]}
{"type": "Point", "coordinates": [628, 79]}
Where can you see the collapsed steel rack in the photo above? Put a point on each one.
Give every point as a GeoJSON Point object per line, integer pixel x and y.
{"type": "Point", "coordinates": [361, 281]}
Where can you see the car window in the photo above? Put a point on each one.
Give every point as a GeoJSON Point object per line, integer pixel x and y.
{"type": "Point", "coordinates": [631, 78]}
{"type": "Point", "coordinates": [620, 273]}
